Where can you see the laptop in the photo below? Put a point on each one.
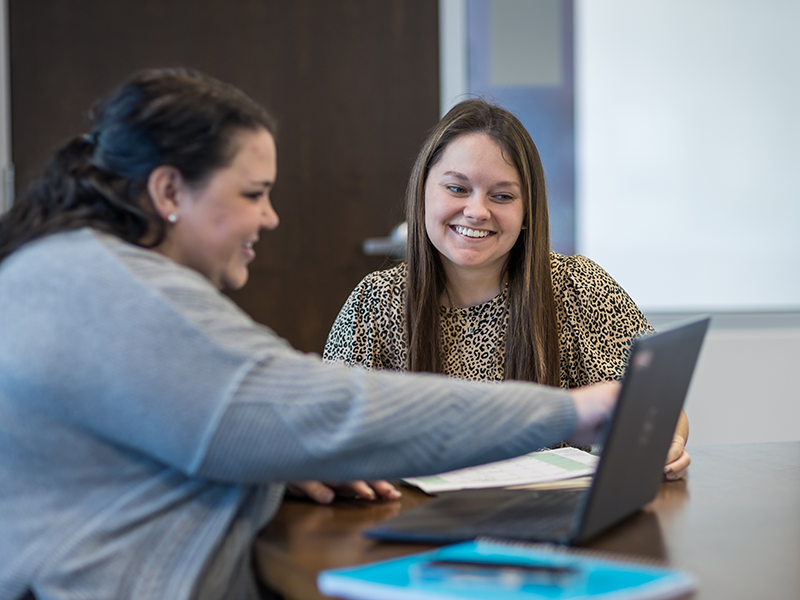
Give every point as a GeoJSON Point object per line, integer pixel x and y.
{"type": "Point", "coordinates": [628, 476]}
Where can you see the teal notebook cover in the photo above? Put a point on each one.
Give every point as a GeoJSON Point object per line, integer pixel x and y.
{"type": "Point", "coordinates": [491, 569]}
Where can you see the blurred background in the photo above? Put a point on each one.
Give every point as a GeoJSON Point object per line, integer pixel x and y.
{"type": "Point", "coordinates": [669, 132]}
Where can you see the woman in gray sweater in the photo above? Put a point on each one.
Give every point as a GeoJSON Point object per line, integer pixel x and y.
{"type": "Point", "coordinates": [146, 423]}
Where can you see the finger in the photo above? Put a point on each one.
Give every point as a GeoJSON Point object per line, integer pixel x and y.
{"type": "Point", "coordinates": [678, 468]}
{"type": "Point", "coordinates": [316, 490]}
{"type": "Point", "coordinates": [354, 489]}
{"type": "Point", "coordinates": [385, 490]}
{"type": "Point", "coordinates": [359, 489]}
{"type": "Point", "coordinates": [674, 453]}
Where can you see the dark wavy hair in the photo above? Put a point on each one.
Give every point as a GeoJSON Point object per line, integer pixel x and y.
{"type": "Point", "coordinates": [175, 117]}
{"type": "Point", "coordinates": [532, 350]}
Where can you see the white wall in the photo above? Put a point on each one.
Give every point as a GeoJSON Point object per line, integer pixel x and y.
{"type": "Point", "coordinates": [688, 150]}
{"type": "Point", "coordinates": [744, 388]}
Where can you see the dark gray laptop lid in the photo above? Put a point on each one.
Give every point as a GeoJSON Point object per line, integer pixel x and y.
{"type": "Point", "coordinates": [640, 432]}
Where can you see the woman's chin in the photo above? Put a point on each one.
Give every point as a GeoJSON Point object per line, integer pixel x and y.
{"type": "Point", "coordinates": [235, 281]}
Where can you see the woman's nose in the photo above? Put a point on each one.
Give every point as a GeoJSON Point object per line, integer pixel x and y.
{"type": "Point", "coordinates": [269, 217]}
{"type": "Point", "coordinates": [476, 208]}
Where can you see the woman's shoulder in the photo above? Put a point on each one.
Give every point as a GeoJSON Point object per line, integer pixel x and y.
{"type": "Point", "coordinates": [577, 271]}
{"type": "Point", "coordinates": [378, 295]}
{"type": "Point", "coordinates": [369, 328]}
{"type": "Point", "coordinates": [387, 279]}
{"type": "Point", "coordinates": [91, 264]}
{"type": "Point", "coordinates": [71, 242]}
{"type": "Point", "coordinates": [582, 284]}
{"type": "Point", "coordinates": [574, 264]}
{"type": "Point", "coordinates": [385, 286]}
{"type": "Point", "coordinates": [83, 251]}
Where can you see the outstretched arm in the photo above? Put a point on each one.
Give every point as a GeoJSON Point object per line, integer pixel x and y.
{"type": "Point", "coordinates": [593, 405]}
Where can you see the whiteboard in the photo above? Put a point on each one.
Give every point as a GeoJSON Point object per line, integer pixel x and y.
{"type": "Point", "coordinates": [688, 150]}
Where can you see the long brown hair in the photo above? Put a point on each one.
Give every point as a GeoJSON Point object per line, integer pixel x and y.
{"type": "Point", "coordinates": [532, 335]}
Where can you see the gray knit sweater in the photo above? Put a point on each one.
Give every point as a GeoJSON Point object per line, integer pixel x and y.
{"type": "Point", "coordinates": [146, 425]}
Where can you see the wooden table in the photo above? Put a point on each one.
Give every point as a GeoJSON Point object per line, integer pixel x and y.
{"type": "Point", "coordinates": [735, 524]}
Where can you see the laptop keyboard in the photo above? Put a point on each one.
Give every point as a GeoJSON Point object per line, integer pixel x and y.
{"type": "Point", "coordinates": [545, 516]}
{"type": "Point", "coordinates": [534, 515]}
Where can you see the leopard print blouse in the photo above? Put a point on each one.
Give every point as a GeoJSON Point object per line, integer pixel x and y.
{"type": "Point", "coordinates": [597, 324]}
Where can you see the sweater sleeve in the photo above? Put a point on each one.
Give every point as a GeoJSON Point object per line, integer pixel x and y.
{"type": "Point", "coordinates": [133, 349]}
{"type": "Point", "coordinates": [336, 423]}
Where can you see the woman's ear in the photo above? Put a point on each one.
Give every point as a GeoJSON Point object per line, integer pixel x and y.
{"type": "Point", "coordinates": [163, 187]}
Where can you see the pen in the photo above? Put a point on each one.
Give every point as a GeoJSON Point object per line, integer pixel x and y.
{"type": "Point", "coordinates": [507, 575]}
{"type": "Point", "coordinates": [528, 568]}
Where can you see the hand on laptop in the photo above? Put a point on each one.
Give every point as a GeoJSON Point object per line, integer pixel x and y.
{"type": "Point", "coordinates": [324, 493]}
{"type": "Point", "coordinates": [593, 405]}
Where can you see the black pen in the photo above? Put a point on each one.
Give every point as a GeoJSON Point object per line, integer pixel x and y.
{"type": "Point", "coordinates": [529, 568]}
{"type": "Point", "coordinates": [508, 575]}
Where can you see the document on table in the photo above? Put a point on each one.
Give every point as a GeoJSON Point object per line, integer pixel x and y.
{"type": "Point", "coordinates": [536, 467]}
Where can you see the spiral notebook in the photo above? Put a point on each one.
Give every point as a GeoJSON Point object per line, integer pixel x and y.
{"type": "Point", "coordinates": [491, 569]}
{"type": "Point", "coordinates": [628, 475]}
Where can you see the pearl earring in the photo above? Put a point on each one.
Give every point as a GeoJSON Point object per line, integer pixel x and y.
{"type": "Point", "coordinates": [172, 218]}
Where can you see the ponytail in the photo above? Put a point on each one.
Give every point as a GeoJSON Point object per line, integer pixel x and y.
{"type": "Point", "coordinates": [73, 193]}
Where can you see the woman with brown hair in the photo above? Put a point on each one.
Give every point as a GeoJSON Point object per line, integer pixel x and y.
{"type": "Point", "coordinates": [481, 295]}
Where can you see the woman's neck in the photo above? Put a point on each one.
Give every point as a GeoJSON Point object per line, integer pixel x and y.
{"type": "Point", "coordinates": [470, 289]}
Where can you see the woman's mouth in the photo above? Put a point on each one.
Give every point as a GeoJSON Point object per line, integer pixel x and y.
{"type": "Point", "coordinates": [471, 233]}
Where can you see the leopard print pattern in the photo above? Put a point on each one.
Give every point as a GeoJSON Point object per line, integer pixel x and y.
{"type": "Point", "coordinates": [597, 324]}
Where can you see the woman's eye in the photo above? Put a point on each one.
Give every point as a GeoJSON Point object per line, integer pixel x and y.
{"type": "Point", "coordinates": [254, 196]}
{"type": "Point", "coordinates": [504, 197]}
{"type": "Point", "coordinates": [455, 189]}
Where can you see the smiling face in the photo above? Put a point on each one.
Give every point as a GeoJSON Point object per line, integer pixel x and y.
{"type": "Point", "coordinates": [219, 220]}
{"type": "Point", "coordinates": [474, 208]}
